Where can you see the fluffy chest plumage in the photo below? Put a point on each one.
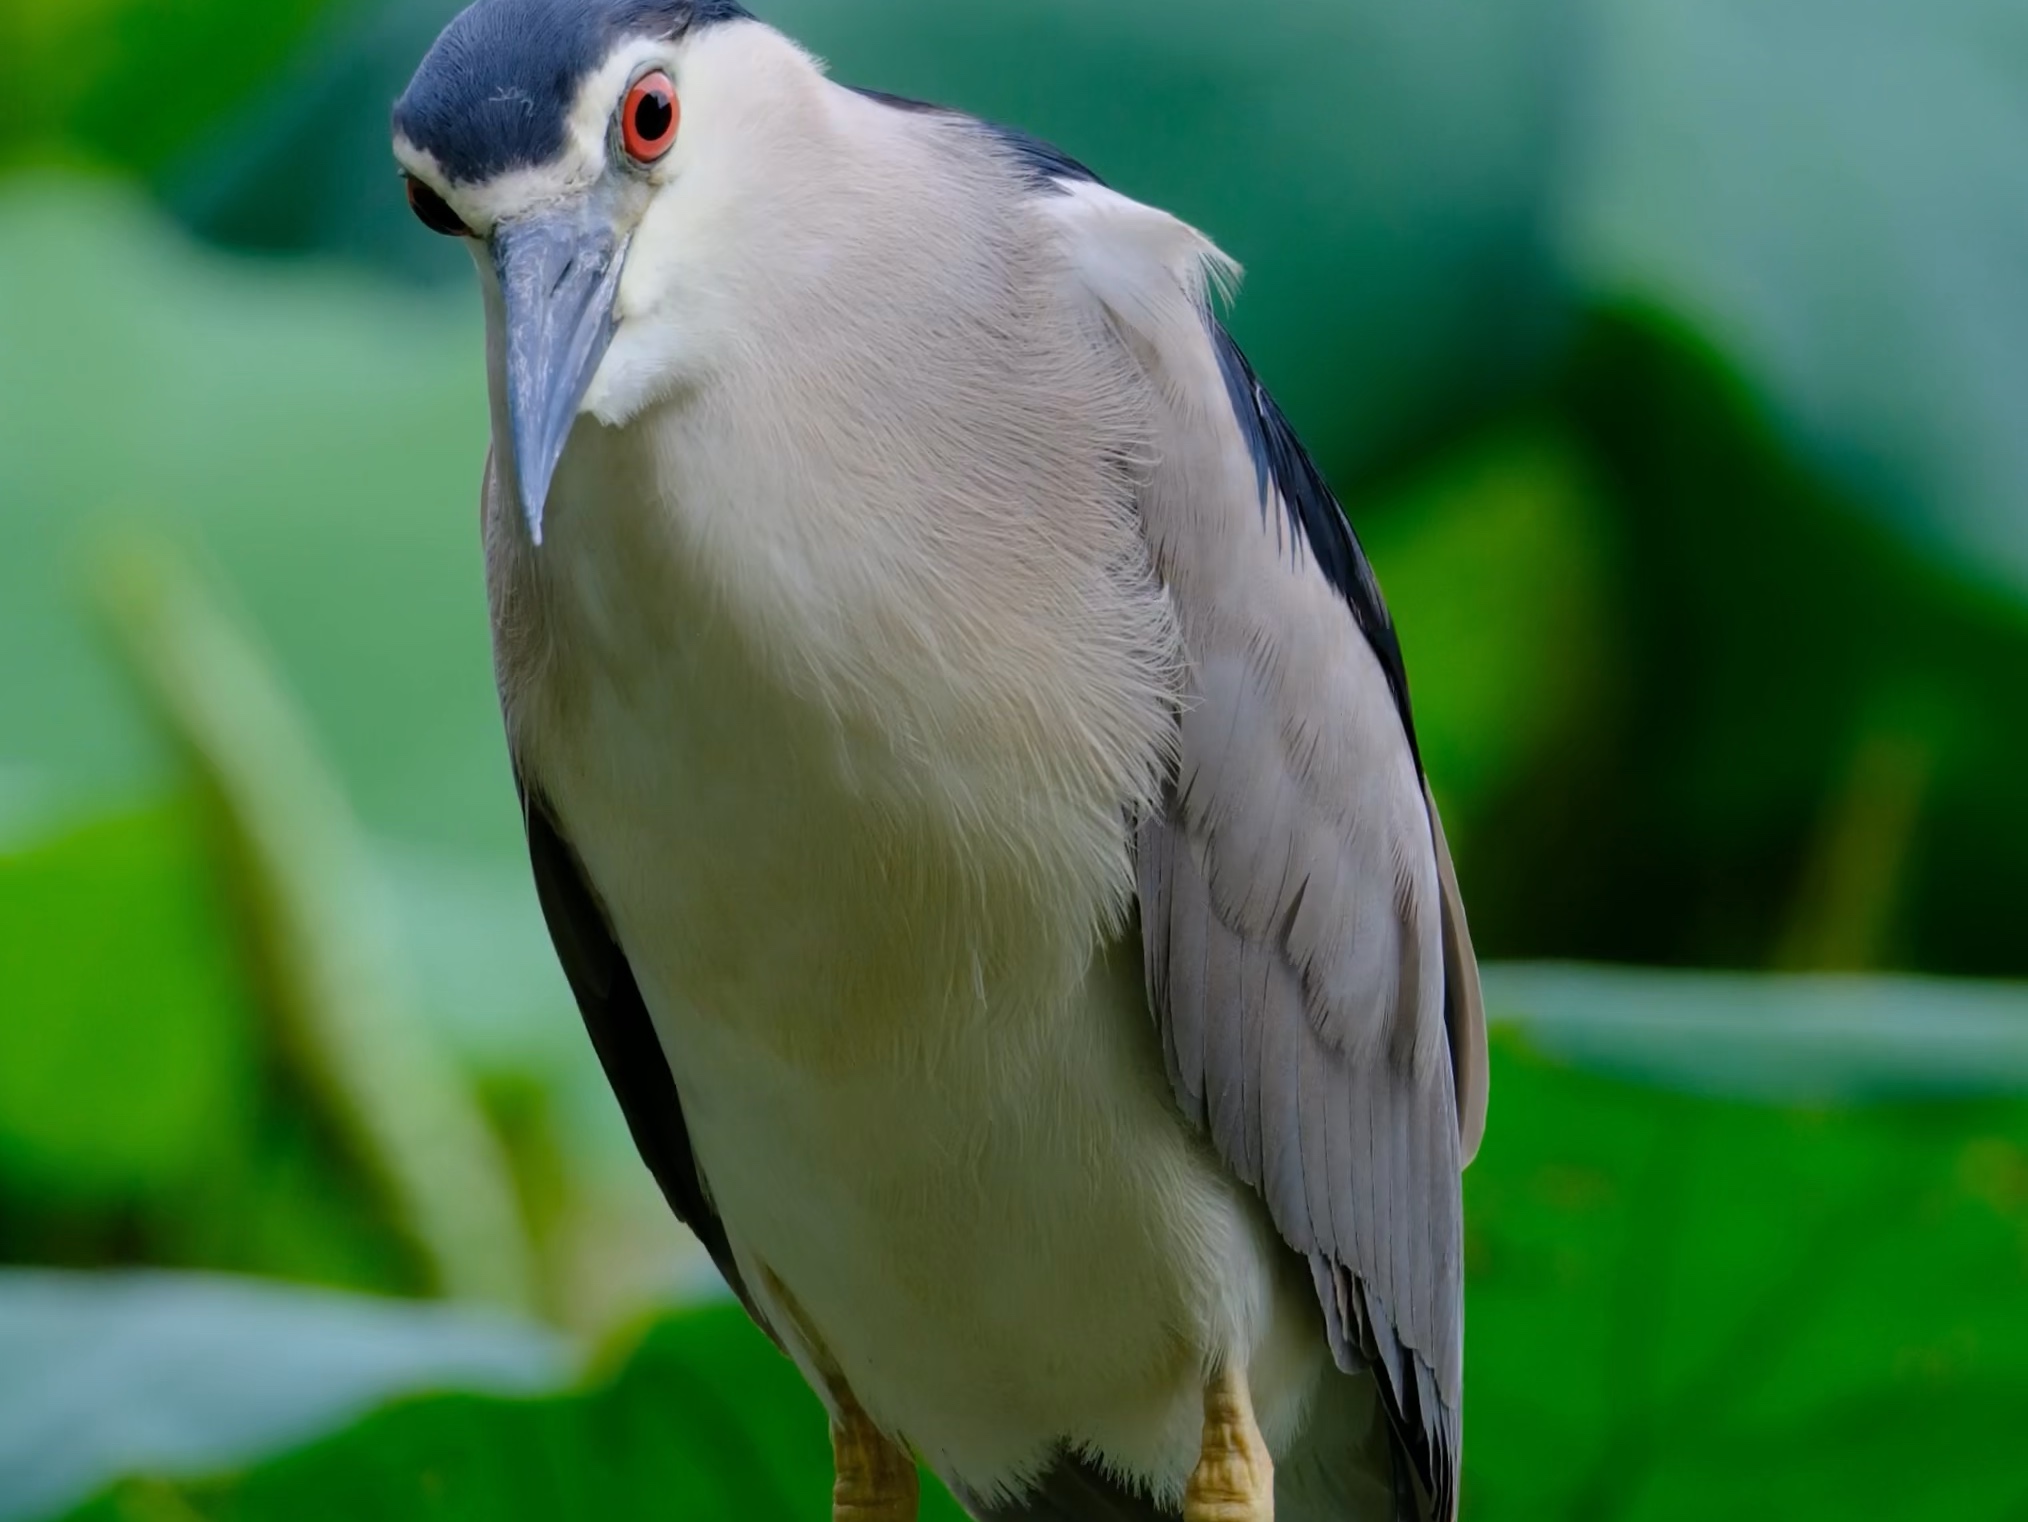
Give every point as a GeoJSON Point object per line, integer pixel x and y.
{"type": "Point", "coordinates": [895, 813]}
{"type": "Point", "coordinates": [900, 1001]}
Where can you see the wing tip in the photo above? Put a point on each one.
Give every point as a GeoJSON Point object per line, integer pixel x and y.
{"type": "Point", "coordinates": [1464, 1000]}
{"type": "Point", "coordinates": [1424, 1428]}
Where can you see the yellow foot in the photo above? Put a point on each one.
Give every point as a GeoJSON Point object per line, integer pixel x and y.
{"type": "Point", "coordinates": [876, 1480]}
{"type": "Point", "coordinates": [1234, 1480]}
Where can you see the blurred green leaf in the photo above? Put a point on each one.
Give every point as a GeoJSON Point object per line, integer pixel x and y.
{"type": "Point", "coordinates": [1684, 1308]}
{"type": "Point", "coordinates": [135, 82]}
{"type": "Point", "coordinates": [143, 1118]}
{"type": "Point", "coordinates": [127, 1063]}
{"type": "Point", "coordinates": [319, 439]}
{"type": "Point", "coordinates": [487, 978]}
{"type": "Point", "coordinates": [1498, 569]}
{"type": "Point", "coordinates": [1703, 1307]}
{"type": "Point", "coordinates": [324, 961]}
{"type": "Point", "coordinates": [103, 1375]}
{"type": "Point", "coordinates": [312, 437]}
{"type": "Point", "coordinates": [1823, 190]}
{"type": "Point", "coordinates": [1769, 642]}
{"type": "Point", "coordinates": [1785, 1040]}
{"type": "Point", "coordinates": [306, 165]}
{"type": "Point", "coordinates": [705, 1420]}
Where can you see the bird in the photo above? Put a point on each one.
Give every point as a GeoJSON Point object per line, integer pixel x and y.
{"type": "Point", "coordinates": [969, 778]}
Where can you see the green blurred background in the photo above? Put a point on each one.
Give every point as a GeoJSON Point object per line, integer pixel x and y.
{"type": "Point", "coordinates": [1672, 359]}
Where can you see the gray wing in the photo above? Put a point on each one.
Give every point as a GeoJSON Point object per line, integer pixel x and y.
{"type": "Point", "coordinates": [1307, 954]}
{"type": "Point", "coordinates": [623, 1035]}
{"type": "Point", "coordinates": [1306, 949]}
{"type": "Point", "coordinates": [1300, 939]}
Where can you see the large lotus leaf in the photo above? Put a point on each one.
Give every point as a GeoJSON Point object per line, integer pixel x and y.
{"type": "Point", "coordinates": [705, 1420]}
{"type": "Point", "coordinates": [1803, 1040]}
{"type": "Point", "coordinates": [103, 1375]}
{"type": "Point", "coordinates": [317, 438]}
{"type": "Point", "coordinates": [1686, 1305]}
{"type": "Point", "coordinates": [1684, 1308]}
{"type": "Point", "coordinates": [1823, 189]}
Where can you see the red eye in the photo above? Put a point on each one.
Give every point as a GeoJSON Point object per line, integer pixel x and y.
{"type": "Point", "coordinates": [648, 119]}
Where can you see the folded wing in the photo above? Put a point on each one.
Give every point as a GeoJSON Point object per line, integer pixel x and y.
{"type": "Point", "coordinates": [1307, 954]}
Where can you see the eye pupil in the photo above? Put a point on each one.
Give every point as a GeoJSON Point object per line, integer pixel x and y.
{"type": "Point", "coordinates": [654, 116]}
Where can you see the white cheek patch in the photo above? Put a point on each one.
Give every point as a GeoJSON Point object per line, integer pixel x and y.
{"type": "Point", "coordinates": [672, 320]}
{"type": "Point", "coordinates": [591, 118]}
{"type": "Point", "coordinates": [648, 363]}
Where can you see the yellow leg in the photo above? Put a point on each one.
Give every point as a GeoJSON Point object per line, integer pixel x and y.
{"type": "Point", "coordinates": [876, 1480]}
{"type": "Point", "coordinates": [1234, 1480]}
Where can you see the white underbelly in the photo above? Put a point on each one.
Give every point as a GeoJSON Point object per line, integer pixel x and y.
{"type": "Point", "coordinates": [976, 1187]}
{"type": "Point", "coordinates": [1003, 1240]}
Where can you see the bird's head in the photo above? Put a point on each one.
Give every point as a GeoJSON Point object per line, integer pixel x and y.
{"type": "Point", "coordinates": [546, 133]}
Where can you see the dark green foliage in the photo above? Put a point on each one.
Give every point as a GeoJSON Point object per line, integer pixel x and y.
{"type": "Point", "coordinates": [144, 1117]}
{"type": "Point", "coordinates": [1762, 646]}
{"type": "Point", "coordinates": [138, 83]}
{"type": "Point", "coordinates": [128, 1064]}
{"type": "Point", "coordinates": [704, 1420]}
{"type": "Point", "coordinates": [1686, 1308]}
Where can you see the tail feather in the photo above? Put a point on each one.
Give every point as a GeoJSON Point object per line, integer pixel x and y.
{"type": "Point", "coordinates": [1346, 1466]}
{"type": "Point", "coordinates": [1073, 1489]}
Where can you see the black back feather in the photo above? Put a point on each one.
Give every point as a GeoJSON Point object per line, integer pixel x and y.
{"type": "Point", "coordinates": [496, 90]}
{"type": "Point", "coordinates": [623, 1035]}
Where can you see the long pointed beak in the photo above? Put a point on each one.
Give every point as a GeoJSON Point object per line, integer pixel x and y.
{"type": "Point", "coordinates": [559, 273]}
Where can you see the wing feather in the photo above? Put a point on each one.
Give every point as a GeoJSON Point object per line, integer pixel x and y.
{"type": "Point", "coordinates": [1306, 947]}
{"type": "Point", "coordinates": [623, 1035]}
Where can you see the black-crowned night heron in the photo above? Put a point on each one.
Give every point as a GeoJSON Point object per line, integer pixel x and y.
{"type": "Point", "coordinates": [969, 776]}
